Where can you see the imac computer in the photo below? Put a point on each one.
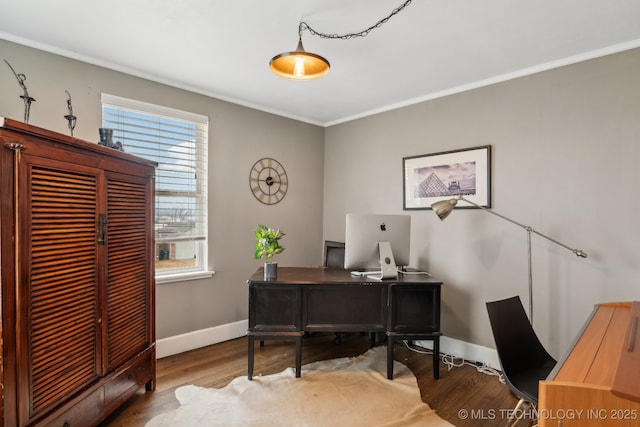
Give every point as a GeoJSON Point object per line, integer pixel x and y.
{"type": "Point", "coordinates": [378, 242]}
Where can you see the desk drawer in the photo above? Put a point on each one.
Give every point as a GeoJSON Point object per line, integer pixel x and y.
{"type": "Point", "coordinates": [274, 308]}
{"type": "Point", "coordinates": [414, 308]}
{"type": "Point", "coordinates": [344, 308]}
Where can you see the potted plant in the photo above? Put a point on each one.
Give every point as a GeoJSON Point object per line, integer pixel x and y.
{"type": "Point", "coordinates": [268, 245]}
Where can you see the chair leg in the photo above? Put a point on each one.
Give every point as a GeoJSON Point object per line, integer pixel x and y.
{"type": "Point", "coordinates": [338, 339]}
{"type": "Point", "coordinates": [518, 412]}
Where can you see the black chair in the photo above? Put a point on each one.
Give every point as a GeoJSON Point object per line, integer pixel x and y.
{"type": "Point", "coordinates": [523, 359]}
{"type": "Point", "coordinates": [333, 254]}
{"type": "Point", "coordinates": [334, 258]}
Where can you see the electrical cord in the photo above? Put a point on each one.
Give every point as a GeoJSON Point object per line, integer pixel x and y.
{"type": "Point", "coordinates": [410, 273]}
{"type": "Point", "coordinates": [399, 270]}
{"type": "Point", "coordinates": [457, 362]}
{"type": "Point", "coordinates": [304, 26]}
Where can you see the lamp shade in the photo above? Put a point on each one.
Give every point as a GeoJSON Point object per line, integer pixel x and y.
{"type": "Point", "coordinates": [299, 65]}
{"type": "Point", "coordinates": [444, 207]}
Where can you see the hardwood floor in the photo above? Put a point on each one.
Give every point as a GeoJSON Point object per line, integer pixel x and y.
{"type": "Point", "coordinates": [463, 396]}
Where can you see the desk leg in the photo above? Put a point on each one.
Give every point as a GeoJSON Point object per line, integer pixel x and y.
{"type": "Point", "coordinates": [436, 358]}
{"type": "Point", "coordinates": [298, 357]}
{"type": "Point", "coordinates": [390, 342]}
{"type": "Point", "coordinates": [250, 359]}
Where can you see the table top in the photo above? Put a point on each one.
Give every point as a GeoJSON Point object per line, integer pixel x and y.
{"type": "Point", "coordinates": [337, 276]}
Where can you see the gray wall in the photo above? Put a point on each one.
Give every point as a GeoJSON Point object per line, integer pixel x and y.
{"type": "Point", "coordinates": [238, 136]}
{"type": "Point", "coordinates": [566, 150]}
{"type": "Point", "coordinates": [566, 145]}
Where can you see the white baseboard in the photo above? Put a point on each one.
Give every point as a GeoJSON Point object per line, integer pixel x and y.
{"type": "Point", "coordinates": [190, 341]}
{"type": "Point", "coordinates": [202, 338]}
{"type": "Point", "coordinates": [465, 350]}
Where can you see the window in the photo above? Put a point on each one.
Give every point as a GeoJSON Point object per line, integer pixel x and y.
{"type": "Point", "coordinates": [177, 141]}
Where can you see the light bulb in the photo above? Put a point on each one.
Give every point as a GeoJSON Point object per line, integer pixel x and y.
{"type": "Point", "coordinates": [298, 69]}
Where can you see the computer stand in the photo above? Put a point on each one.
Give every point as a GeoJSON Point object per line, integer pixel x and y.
{"type": "Point", "coordinates": [389, 269]}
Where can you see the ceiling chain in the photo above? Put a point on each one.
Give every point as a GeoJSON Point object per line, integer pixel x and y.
{"type": "Point", "coordinates": [304, 26]}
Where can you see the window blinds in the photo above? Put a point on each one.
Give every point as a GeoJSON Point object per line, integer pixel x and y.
{"type": "Point", "coordinates": [177, 141]}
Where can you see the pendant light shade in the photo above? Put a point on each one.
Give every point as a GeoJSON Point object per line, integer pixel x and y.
{"type": "Point", "coordinates": [299, 65]}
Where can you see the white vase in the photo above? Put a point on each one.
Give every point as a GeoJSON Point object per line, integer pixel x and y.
{"type": "Point", "coordinates": [270, 270]}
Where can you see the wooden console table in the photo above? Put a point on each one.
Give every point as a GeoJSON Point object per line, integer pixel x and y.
{"type": "Point", "coordinates": [326, 299]}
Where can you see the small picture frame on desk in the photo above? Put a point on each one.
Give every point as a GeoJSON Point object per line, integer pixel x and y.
{"type": "Point", "coordinates": [429, 178]}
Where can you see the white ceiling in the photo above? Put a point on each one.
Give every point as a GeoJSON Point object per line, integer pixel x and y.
{"type": "Point", "coordinates": [222, 48]}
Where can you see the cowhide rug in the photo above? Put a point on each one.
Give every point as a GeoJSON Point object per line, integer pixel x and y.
{"type": "Point", "coordinates": [351, 391]}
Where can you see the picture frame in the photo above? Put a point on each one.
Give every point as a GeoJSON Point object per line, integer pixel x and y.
{"type": "Point", "coordinates": [429, 178]}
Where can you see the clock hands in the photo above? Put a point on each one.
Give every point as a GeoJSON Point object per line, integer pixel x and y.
{"type": "Point", "coordinates": [268, 181]}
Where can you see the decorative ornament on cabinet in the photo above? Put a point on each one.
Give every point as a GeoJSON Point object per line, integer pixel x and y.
{"type": "Point", "coordinates": [70, 117]}
{"type": "Point", "coordinates": [106, 139]}
{"type": "Point", "coordinates": [25, 95]}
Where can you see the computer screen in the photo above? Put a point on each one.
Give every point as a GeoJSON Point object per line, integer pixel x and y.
{"type": "Point", "coordinates": [363, 233]}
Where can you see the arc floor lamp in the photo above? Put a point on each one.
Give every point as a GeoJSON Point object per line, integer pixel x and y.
{"type": "Point", "coordinates": [444, 207]}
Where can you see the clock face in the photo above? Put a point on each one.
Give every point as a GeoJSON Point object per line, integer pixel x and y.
{"type": "Point", "coordinates": [268, 181]}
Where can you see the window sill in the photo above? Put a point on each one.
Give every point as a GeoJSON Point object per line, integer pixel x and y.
{"type": "Point", "coordinates": [183, 277]}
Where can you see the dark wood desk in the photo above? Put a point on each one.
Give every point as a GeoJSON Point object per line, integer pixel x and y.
{"type": "Point", "coordinates": [325, 299]}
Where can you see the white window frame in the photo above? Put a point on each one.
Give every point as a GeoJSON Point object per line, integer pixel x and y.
{"type": "Point", "coordinates": [201, 270]}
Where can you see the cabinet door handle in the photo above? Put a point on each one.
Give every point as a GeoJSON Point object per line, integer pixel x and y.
{"type": "Point", "coordinates": [102, 229]}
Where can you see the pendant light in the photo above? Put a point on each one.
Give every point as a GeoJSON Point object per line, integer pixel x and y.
{"type": "Point", "coordinates": [303, 65]}
{"type": "Point", "coordinates": [299, 64]}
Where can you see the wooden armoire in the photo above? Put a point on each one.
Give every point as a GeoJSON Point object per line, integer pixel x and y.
{"type": "Point", "coordinates": [77, 269]}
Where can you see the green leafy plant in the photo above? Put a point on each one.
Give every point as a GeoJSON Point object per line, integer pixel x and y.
{"type": "Point", "coordinates": [267, 243]}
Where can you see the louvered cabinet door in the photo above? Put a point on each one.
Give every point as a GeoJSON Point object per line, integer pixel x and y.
{"type": "Point", "coordinates": [77, 315]}
{"type": "Point", "coordinates": [58, 331]}
{"type": "Point", "coordinates": [129, 269]}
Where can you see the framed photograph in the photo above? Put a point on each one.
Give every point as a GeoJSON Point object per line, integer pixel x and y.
{"type": "Point", "coordinates": [430, 178]}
